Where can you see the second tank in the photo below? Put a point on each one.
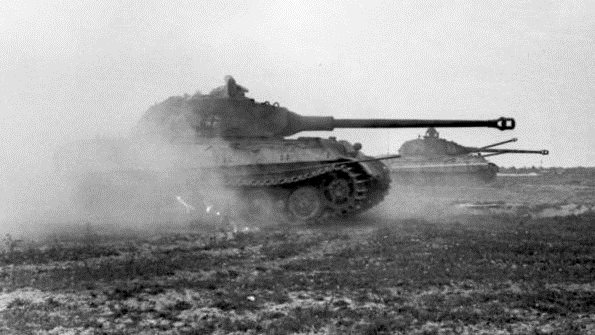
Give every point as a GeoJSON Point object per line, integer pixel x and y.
{"type": "Point", "coordinates": [432, 159]}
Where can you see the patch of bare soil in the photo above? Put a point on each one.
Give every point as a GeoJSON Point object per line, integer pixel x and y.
{"type": "Point", "coordinates": [488, 259]}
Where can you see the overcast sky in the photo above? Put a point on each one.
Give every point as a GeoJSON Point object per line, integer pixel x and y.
{"type": "Point", "coordinates": [77, 69]}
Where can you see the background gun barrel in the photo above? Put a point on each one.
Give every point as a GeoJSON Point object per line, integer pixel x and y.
{"type": "Point", "coordinates": [515, 151]}
{"type": "Point", "coordinates": [495, 152]}
{"type": "Point", "coordinates": [497, 144]}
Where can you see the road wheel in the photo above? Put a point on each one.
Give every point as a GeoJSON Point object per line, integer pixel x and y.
{"type": "Point", "coordinates": [258, 205]}
{"type": "Point", "coordinates": [339, 191]}
{"type": "Point", "coordinates": [339, 194]}
{"type": "Point", "coordinates": [305, 204]}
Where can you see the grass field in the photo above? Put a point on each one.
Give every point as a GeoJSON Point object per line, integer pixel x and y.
{"type": "Point", "coordinates": [421, 263]}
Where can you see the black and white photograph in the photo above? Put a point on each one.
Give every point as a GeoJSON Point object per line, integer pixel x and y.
{"type": "Point", "coordinates": [297, 167]}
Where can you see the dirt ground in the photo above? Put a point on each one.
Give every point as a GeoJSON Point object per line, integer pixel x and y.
{"type": "Point", "coordinates": [513, 257]}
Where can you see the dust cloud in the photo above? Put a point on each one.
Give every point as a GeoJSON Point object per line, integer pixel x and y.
{"type": "Point", "coordinates": [114, 183]}
{"type": "Point", "coordinates": [432, 202]}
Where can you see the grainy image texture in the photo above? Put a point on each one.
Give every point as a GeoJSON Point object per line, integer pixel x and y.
{"type": "Point", "coordinates": [522, 265]}
{"type": "Point", "coordinates": [355, 171]}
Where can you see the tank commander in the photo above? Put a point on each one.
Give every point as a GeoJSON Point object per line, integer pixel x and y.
{"type": "Point", "coordinates": [432, 133]}
{"type": "Point", "coordinates": [230, 90]}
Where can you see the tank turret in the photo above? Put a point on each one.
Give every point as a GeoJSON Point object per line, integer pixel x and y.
{"type": "Point", "coordinates": [227, 112]}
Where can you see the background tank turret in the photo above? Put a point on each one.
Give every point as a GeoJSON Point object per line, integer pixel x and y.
{"type": "Point", "coordinates": [434, 159]}
{"type": "Point", "coordinates": [199, 144]}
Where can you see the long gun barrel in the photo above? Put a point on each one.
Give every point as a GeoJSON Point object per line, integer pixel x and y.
{"type": "Point", "coordinates": [497, 144]}
{"type": "Point", "coordinates": [299, 123]}
{"type": "Point", "coordinates": [489, 149]}
{"type": "Point", "coordinates": [494, 152]}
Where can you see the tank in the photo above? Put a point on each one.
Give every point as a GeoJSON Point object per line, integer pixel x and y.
{"type": "Point", "coordinates": [195, 149]}
{"type": "Point", "coordinates": [431, 159]}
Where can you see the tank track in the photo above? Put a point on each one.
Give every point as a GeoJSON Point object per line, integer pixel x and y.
{"type": "Point", "coordinates": [365, 194]}
{"type": "Point", "coordinates": [278, 179]}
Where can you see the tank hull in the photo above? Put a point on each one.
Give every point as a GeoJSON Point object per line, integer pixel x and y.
{"type": "Point", "coordinates": [447, 170]}
{"type": "Point", "coordinates": [305, 180]}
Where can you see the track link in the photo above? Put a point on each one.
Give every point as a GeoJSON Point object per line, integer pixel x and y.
{"type": "Point", "coordinates": [363, 192]}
